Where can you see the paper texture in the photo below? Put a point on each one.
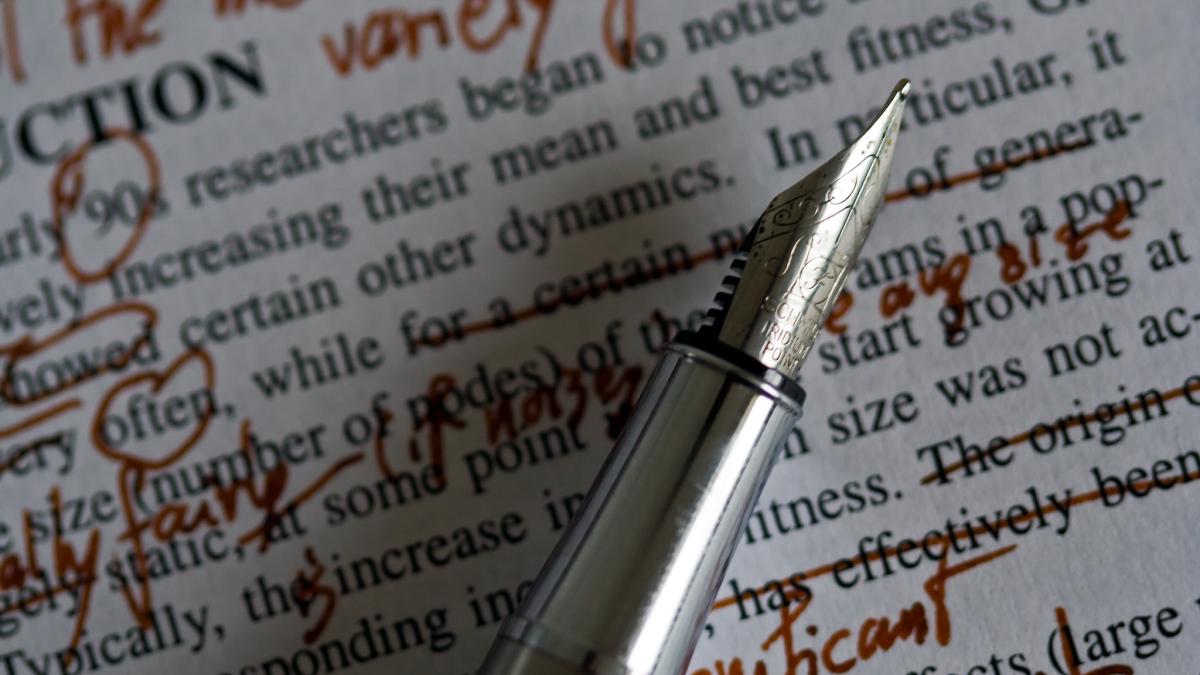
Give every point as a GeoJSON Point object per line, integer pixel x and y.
{"type": "Point", "coordinates": [317, 319]}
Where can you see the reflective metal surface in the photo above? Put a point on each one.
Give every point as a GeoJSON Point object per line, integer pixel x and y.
{"type": "Point", "coordinates": [627, 590]}
{"type": "Point", "coordinates": [804, 245]}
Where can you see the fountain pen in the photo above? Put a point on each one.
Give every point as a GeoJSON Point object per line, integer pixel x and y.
{"type": "Point", "coordinates": [628, 587]}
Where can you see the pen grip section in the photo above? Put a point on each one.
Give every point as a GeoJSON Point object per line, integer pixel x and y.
{"type": "Point", "coordinates": [628, 588]}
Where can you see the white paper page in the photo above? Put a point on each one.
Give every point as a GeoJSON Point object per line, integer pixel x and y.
{"type": "Point", "coordinates": [318, 318]}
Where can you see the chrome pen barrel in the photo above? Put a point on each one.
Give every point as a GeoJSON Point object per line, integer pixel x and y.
{"type": "Point", "coordinates": [627, 589]}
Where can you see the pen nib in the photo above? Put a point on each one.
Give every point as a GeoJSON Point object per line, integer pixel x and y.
{"type": "Point", "coordinates": [787, 276]}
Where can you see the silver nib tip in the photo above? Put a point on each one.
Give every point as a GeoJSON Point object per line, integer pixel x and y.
{"type": "Point", "coordinates": [793, 264]}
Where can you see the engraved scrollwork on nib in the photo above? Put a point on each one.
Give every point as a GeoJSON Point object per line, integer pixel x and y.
{"type": "Point", "coordinates": [795, 211]}
{"type": "Point", "coordinates": [803, 247]}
